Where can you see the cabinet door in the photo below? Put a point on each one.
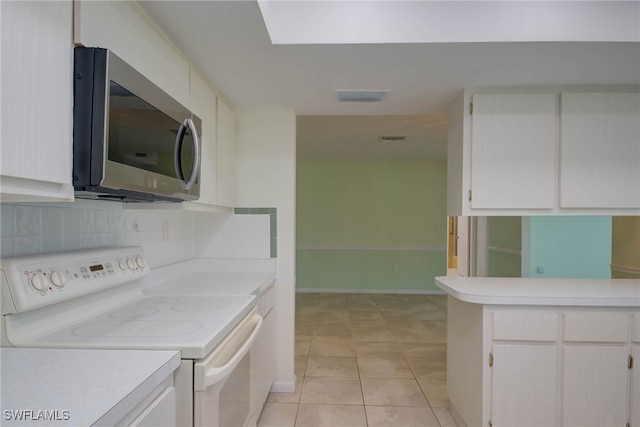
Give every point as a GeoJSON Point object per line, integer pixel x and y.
{"type": "Point", "coordinates": [203, 104]}
{"type": "Point", "coordinates": [37, 88]}
{"type": "Point", "coordinates": [635, 387]}
{"type": "Point", "coordinates": [524, 385]}
{"type": "Point", "coordinates": [258, 372]}
{"type": "Point", "coordinates": [124, 28]}
{"type": "Point", "coordinates": [513, 151]}
{"type": "Point", "coordinates": [161, 412]}
{"type": "Point", "coordinates": [600, 150]}
{"type": "Point", "coordinates": [270, 353]}
{"type": "Point", "coordinates": [595, 384]}
{"type": "Point", "coordinates": [226, 154]}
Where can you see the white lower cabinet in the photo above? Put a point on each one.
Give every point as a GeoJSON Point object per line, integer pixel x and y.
{"type": "Point", "coordinates": [161, 412]}
{"type": "Point", "coordinates": [578, 377]}
{"type": "Point", "coordinates": [270, 354]}
{"type": "Point", "coordinates": [595, 384]}
{"type": "Point", "coordinates": [519, 373]}
{"type": "Point", "coordinates": [635, 386]}
{"type": "Point", "coordinates": [543, 366]}
{"type": "Point", "coordinates": [635, 374]}
{"type": "Point", "coordinates": [265, 363]}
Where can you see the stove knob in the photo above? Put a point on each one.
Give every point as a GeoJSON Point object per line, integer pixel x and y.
{"type": "Point", "coordinates": [57, 279]}
{"type": "Point", "coordinates": [39, 282]}
{"type": "Point", "coordinates": [122, 265]}
{"type": "Point", "coordinates": [131, 264]}
{"type": "Point", "coordinates": [139, 261]}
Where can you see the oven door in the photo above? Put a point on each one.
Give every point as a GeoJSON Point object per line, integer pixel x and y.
{"type": "Point", "coordinates": [224, 382]}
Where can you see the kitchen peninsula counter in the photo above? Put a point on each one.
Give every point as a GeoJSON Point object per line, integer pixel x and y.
{"type": "Point", "coordinates": [531, 291]}
{"type": "Point", "coordinates": [546, 352]}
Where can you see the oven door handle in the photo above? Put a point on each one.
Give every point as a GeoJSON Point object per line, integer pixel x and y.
{"type": "Point", "coordinates": [217, 373]}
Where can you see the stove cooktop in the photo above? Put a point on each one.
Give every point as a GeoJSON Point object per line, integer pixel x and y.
{"type": "Point", "coordinates": [194, 325]}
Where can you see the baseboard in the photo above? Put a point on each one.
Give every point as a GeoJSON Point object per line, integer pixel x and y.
{"type": "Point", "coordinates": [371, 291]}
{"type": "Point", "coordinates": [456, 415]}
{"type": "Point", "coordinates": [625, 269]}
{"type": "Point", "coordinates": [284, 386]}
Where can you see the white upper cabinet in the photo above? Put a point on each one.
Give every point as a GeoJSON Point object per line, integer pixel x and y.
{"type": "Point", "coordinates": [544, 151]}
{"type": "Point", "coordinates": [226, 154]}
{"type": "Point", "coordinates": [513, 151]}
{"type": "Point", "coordinates": [600, 150]}
{"type": "Point", "coordinates": [125, 29]}
{"type": "Point", "coordinates": [36, 86]}
{"type": "Point", "coordinates": [203, 104]}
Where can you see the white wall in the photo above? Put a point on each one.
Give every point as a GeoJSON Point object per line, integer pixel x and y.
{"type": "Point", "coordinates": [224, 235]}
{"type": "Point", "coordinates": [266, 171]}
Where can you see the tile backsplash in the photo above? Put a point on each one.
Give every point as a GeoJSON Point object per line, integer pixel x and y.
{"type": "Point", "coordinates": [167, 236]}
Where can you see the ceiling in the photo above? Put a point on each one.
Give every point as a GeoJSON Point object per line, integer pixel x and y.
{"type": "Point", "coordinates": [359, 137]}
{"type": "Point", "coordinates": [229, 42]}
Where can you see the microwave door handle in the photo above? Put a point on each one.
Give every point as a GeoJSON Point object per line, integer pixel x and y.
{"type": "Point", "coordinates": [177, 153]}
{"type": "Point", "coordinates": [196, 154]}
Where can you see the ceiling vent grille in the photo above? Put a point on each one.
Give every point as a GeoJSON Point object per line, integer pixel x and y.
{"type": "Point", "coordinates": [361, 95]}
{"type": "Point", "coordinates": [393, 138]}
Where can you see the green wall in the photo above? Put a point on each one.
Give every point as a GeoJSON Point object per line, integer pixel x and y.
{"type": "Point", "coordinates": [567, 247]}
{"type": "Point", "coordinates": [504, 246]}
{"type": "Point", "coordinates": [370, 225]}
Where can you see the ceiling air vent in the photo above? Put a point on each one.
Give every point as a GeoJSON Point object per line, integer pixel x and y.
{"type": "Point", "coordinates": [393, 138]}
{"type": "Point", "coordinates": [361, 95]}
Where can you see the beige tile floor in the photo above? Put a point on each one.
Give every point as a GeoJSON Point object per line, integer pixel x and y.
{"type": "Point", "coordinates": [366, 360]}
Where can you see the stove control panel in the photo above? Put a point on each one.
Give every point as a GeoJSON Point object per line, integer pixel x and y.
{"type": "Point", "coordinates": [40, 280]}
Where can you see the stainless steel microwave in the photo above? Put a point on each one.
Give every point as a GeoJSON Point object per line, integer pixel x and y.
{"type": "Point", "coordinates": [131, 140]}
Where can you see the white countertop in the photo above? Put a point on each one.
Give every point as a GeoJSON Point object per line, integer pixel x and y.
{"type": "Point", "coordinates": [211, 277]}
{"type": "Point", "coordinates": [531, 291]}
{"type": "Point", "coordinates": [84, 386]}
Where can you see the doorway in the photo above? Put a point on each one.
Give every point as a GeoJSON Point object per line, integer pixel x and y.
{"type": "Point", "coordinates": [458, 248]}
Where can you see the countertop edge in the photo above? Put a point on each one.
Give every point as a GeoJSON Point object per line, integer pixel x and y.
{"type": "Point", "coordinates": [535, 300]}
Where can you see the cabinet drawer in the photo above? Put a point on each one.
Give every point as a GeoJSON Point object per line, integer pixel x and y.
{"type": "Point", "coordinates": [600, 327]}
{"type": "Point", "coordinates": [511, 325]}
{"type": "Point", "coordinates": [636, 328]}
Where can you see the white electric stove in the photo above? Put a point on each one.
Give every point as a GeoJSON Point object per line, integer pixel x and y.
{"type": "Point", "coordinates": [192, 325]}
{"type": "Point", "coordinates": [93, 300]}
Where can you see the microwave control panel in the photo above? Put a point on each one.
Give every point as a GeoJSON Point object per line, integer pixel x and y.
{"type": "Point", "coordinates": [36, 281]}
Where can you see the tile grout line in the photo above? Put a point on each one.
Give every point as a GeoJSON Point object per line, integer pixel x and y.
{"type": "Point", "coordinates": [346, 309]}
